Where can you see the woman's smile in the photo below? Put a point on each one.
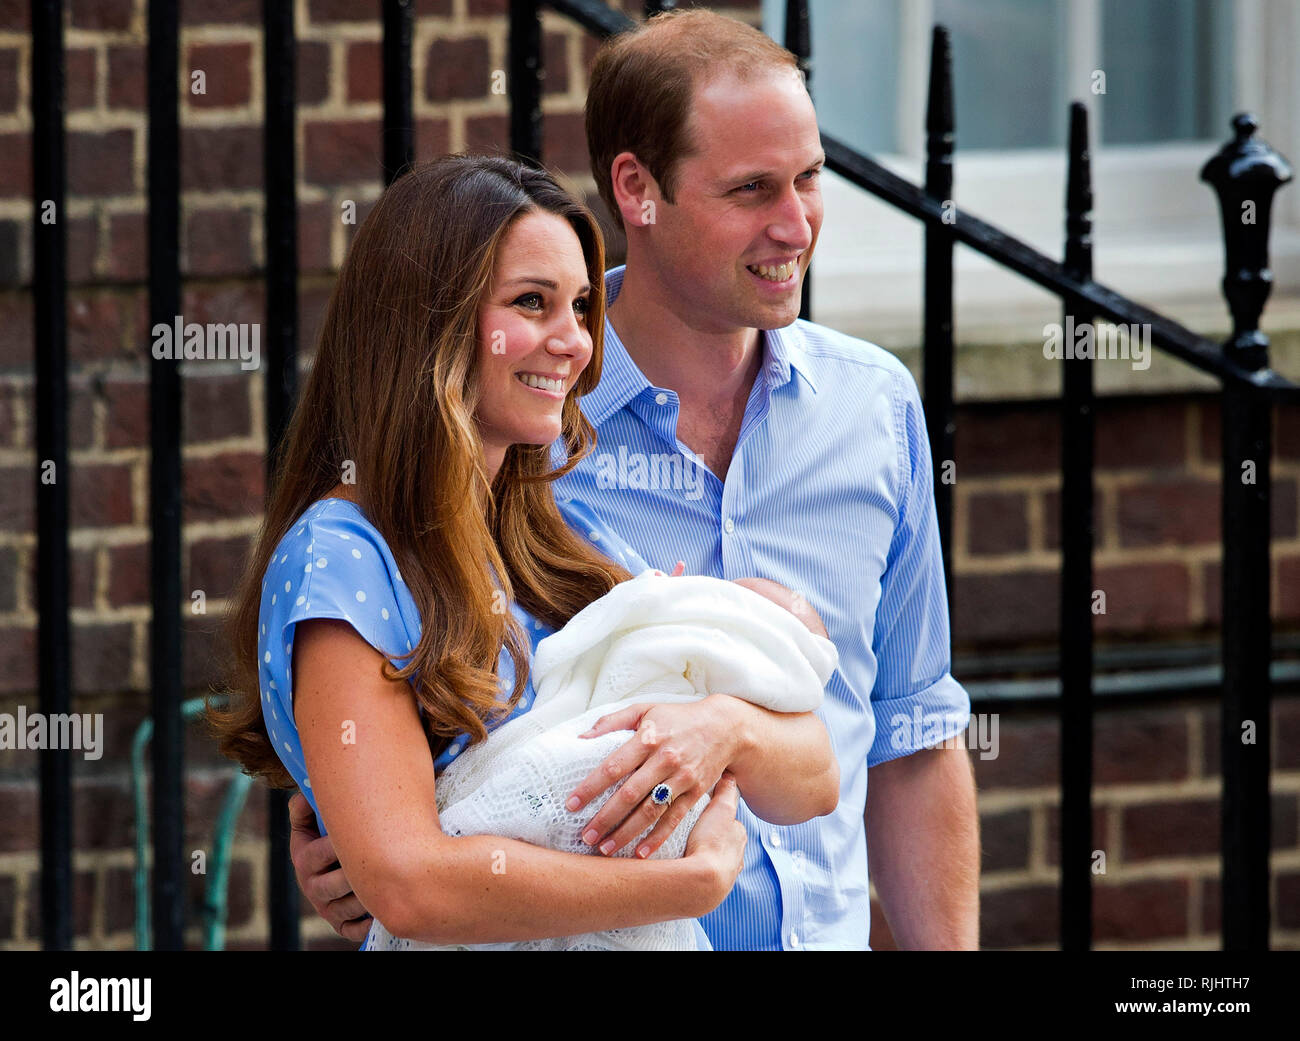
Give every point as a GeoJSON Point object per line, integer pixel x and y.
{"type": "Point", "coordinates": [552, 386]}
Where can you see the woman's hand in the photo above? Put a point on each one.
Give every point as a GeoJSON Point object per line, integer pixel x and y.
{"type": "Point", "coordinates": [687, 746]}
{"type": "Point", "coordinates": [720, 839]}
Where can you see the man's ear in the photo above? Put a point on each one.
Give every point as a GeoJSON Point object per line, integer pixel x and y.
{"type": "Point", "coordinates": [636, 192]}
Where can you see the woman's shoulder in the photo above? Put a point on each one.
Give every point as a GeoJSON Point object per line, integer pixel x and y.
{"type": "Point", "coordinates": [334, 554]}
{"type": "Point", "coordinates": [333, 563]}
{"type": "Point", "coordinates": [334, 531]}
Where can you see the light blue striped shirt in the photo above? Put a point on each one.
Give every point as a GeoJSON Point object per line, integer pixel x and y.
{"type": "Point", "coordinates": [829, 492]}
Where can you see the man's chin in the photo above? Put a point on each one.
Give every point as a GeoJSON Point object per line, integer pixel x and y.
{"type": "Point", "coordinates": [774, 316]}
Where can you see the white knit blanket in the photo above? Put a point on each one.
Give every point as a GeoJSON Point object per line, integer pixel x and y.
{"type": "Point", "coordinates": [654, 638]}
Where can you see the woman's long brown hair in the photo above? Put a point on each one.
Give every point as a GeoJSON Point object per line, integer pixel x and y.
{"type": "Point", "coordinates": [393, 392]}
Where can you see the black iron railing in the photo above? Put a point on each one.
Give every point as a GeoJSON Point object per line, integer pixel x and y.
{"type": "Point", "coordinates": [165, 634]}
{"type": "Point", "coordinates": [1245, 171]}
{"type": "Point", "coordinates": [281, 219]}
{"type": "Point", "coordinates": [50, 253]}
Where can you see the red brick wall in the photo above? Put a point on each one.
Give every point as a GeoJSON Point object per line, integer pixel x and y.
{"type": "Point", "coordinates": [1156, 817]}
{"type": "Point", "coordinates": [1157, 506]}
{"type": "Point", "coordinates": [1157, 520]}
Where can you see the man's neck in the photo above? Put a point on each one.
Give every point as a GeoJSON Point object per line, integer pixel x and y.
{"type": "Point", "coordinates": [707, 368]}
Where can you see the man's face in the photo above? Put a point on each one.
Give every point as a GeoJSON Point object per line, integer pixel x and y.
{"type": "Point", "coordinates": [734, 246]}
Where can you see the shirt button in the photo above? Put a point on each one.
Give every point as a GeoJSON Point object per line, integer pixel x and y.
{"type": "Point", "coordinates": [728, 525]}
{"type": "Point", "coordinates": [794, 939]}
{"type": "Point", "coordinates": [776, 839]}
{"type": "Point", "coordinates": [661, 398]}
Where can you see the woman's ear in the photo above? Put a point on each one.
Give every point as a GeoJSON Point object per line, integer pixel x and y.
{"type": "Point", "coordinates": [636, 192]}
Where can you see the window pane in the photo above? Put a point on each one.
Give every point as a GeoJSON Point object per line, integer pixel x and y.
{"type": "Point", "coordinates": [1168, 66]}
{"type": "Point", "coordinates": [854, 67]}
{"type": "Point", "coordinates": [1008, 59]}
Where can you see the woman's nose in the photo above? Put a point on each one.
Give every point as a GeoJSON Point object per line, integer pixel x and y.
{"type": "Point", "coordinates": [570, 338]}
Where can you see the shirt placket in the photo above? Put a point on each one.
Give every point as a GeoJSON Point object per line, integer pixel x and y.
{"type": "Point", "coordinates": [660, 414]}
{"type": "Point", "coordinates": [737, 562]}
{"type": "Point", "coordinates": [778, 842]}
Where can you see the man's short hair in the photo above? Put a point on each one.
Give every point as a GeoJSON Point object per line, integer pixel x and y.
{"type": "Point", "coordinates": [642, 82]}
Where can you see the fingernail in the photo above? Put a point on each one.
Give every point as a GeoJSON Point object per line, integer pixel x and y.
{"type": "Point", "coordinates": [643, 852]}
{"type": "Point", "coordinates": [590, 836]}
{"type": "Point", "coordinates": [573, 803]}
{"type": "Point", "coordinates": [607, 847]}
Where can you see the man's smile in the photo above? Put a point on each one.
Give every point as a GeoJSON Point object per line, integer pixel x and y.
{"type": "Point", "coordinates": [778, 272]}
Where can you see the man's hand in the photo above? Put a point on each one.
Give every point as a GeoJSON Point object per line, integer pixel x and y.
{"type": "Point", "coordinates": [319, 875]}
{"type": "Point", "coordinates": [687, 746]}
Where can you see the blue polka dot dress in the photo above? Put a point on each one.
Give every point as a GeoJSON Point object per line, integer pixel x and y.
{"type": "Point", "coordinates": [333, 563]}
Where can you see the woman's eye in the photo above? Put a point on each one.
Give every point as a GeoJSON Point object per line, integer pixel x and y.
{"type": "Point", "coordinates": [582, 306]}
{"type": "Point", "coordinates": [532, 301]}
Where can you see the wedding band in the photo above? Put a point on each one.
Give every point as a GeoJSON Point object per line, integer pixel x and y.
{"type": "Point", "coordinates": [662, 794]}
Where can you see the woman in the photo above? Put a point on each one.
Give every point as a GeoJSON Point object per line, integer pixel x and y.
{"type": "Point", "coordinates": [413, 551]}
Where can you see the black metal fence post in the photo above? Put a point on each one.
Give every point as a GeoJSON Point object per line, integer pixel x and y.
{"type": "Point", "coordinates": [399, 122]}
{"type": "Point", "coordinates": [165, 481]}
{"type": "Point", "coordinates": [798, 40]}
{"type": "Point", "coordinates": [525, 80]}
{"type": "Point", "coordinates": [1076, 559]}
{"type": "Point", "coordinates": [281, 222]}
{"type": "Point", "coordinates": [937, 330]}
{"type": "Point", "coordinates": [49, 243]}
{"type": "Point", "coordinates": [1245, 174]}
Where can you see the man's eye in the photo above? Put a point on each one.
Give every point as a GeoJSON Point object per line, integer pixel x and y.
{"type": "Point", "coordinates": [530, 300]}
{"type": "Point", "coordinates": [746, 187]}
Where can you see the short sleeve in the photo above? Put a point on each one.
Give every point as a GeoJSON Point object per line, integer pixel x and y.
{"type": "Point", "coordinates": [331, 564]}
{"type": "Point", "coordinates": [348, 573]}
{"type": "Point", "coordinates": [916, 701]}
{"type": "Point", "coordinates": [587, 523]}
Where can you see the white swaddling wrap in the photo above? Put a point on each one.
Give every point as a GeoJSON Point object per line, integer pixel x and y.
{"type": "Point", "coordinates": [653, 638]}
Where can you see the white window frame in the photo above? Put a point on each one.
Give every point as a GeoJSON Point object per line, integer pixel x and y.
{"type": "Point", "coordinates": [1157, 235]}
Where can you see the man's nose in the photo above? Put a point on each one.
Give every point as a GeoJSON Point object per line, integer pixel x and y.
{"type": "Point", "coordinates": [792, 221]}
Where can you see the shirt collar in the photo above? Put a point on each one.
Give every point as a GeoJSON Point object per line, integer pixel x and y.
{"type": "Point", "coordinates": [621, 380]}
{"type": "Point", "coordinates": [786, 352]}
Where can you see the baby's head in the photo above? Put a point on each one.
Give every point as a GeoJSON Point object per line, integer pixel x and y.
{"type": "Point", "coordinates": [787, 598]}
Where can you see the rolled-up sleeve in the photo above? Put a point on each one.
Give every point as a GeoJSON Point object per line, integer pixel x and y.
{"type": "Point", "coordinates": [916, 701]}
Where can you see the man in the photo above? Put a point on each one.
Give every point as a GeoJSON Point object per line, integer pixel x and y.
{"type": "Point", "coordinates": [742, 442]}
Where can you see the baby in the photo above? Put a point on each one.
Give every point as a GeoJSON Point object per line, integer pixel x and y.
{"type": "Point", "coordinates": [787, 598]}
{"type": "Point", "coordinates": [654, 638]}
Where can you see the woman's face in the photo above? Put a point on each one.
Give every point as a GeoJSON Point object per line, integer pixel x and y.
{"type": "Point", "coordinates": [533, 334]}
